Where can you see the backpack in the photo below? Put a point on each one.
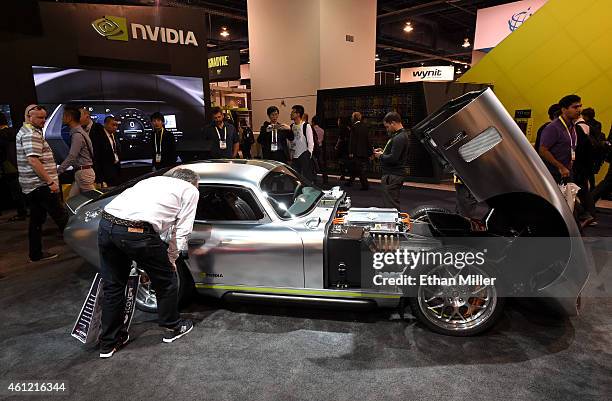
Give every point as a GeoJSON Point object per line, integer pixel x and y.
{"type": "Point", "coordinates": [598, 148]}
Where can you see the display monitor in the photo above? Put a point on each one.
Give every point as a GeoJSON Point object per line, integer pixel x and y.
{"type": "Point", "coordinates": [6, 110]}
{"type": "Point", "coordinates": [131, 98]}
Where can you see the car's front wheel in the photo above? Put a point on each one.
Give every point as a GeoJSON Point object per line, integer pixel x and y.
{"type": "Point", "coordinates": [461, 309]}
{"type": "Point", "coordinates": [146, 300]}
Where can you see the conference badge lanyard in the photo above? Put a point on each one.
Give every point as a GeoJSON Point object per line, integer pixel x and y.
{"type": "Point", "coordinates": [222, 142]}
{"type": "Point", "coordinates": [158, 150]}
{"type": "Point", "coordinates": [389, 141]}
{"type": "Point", "coordinates": [572, 144]}
{"type": "Point", "coordinates": [274, 144]}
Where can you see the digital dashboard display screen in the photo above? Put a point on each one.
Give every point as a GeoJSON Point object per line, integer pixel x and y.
{"type": "Point", "coordinates": [129, 97]}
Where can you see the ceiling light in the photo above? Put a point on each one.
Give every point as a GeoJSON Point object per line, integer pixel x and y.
{"type": "Point", "coordinates": [408, 28]}
{"type": "Point", "coordinates": [466, 66]}
{"type": "Point", "coordinates": [466, 43]}
{"type": "Point", "coordinates": [224, 32]}
{"type": "Point", "coordinates": [376, 58]}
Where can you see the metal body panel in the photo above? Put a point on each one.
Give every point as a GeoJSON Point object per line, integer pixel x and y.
{"type": "Point", "coordinates": [509, 166]}
{"type": "Point", "coordinates": [246, 254]}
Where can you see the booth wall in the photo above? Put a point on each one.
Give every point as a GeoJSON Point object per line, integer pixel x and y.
{"type": "Point", "coordinates": [68, 40]}
{"type": "Point", "coordinates": [563, 48]}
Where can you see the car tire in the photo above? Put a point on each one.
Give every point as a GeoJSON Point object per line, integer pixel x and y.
{"type": "Point", "coordinates": [441, 312]}
{"type": "Point", "coordinates": [419, 213]}
{"type": "Point", "coordinates": [145, 298]}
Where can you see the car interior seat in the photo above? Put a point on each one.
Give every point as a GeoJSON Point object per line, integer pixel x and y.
{"type": "Point", "coordinates": [240, 208]}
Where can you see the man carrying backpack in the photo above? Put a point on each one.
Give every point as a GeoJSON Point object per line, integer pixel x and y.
{"type": "Point", "coordinates": [303, 143]}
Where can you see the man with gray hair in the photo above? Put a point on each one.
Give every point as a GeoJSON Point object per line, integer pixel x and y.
{"type": "Point", "coordinates": [130, 230]}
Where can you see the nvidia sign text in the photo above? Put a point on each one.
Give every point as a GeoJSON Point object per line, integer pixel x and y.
{"type": "Point", "coordinates": [116, 28]}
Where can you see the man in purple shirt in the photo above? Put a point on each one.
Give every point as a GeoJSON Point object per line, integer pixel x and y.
{"type": "Point", "coordinates": [558, 142]}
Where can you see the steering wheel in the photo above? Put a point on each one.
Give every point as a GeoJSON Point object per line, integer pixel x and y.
{"type": "Point", "coordinates": [297, 191]}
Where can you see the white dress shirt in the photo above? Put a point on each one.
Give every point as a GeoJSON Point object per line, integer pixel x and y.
{"type": "Point", "coordinates": [168, 204]}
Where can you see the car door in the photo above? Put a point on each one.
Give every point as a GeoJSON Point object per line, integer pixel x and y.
{"type": "Point", "coordinates": [235, 243]}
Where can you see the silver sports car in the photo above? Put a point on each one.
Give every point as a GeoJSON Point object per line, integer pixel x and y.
{"type": "Point", "coordinates": [264, 234]}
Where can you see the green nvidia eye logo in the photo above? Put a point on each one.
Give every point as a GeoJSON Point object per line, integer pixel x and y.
{"type": "Point", "coordinates": [112, 28]}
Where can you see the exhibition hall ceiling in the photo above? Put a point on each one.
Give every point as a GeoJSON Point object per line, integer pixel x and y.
{"type": "Point", "coordinates": [437, 28]}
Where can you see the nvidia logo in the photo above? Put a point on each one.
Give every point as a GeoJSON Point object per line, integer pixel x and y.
{"type": "Point", "coordinates": [112, 28]}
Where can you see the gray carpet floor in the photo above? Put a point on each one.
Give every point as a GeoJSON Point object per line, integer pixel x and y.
{"type": "Point", "coordinates": [270, 353]}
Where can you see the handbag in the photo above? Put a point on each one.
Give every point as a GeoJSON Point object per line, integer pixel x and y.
{"type": "Point", "coordinates": [569, 192]}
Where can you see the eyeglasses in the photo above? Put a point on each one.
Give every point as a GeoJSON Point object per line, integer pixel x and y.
{"type": "Point", "coordinates": [36, 107]}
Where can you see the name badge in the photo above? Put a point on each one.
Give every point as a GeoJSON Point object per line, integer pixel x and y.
{"type": "Point", "coordinates": [222, 145]}
{"type": "Point", "coordinates": [274, 147]}
{"type": "Point", "coordinates": [157, 158]}
{"type": "Point", "coordinates": [573, 155]}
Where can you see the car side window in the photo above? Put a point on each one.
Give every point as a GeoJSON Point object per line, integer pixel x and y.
{"type": "Point", "coordinates": [227, 203]}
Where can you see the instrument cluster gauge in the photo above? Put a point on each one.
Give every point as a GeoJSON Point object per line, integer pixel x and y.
{"type": "Point", "coordinates": [134, 124]}
{"type": "Point", "coordinates": [135, 130]}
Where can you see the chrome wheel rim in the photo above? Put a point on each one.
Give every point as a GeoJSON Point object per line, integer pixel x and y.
{"type": "Point", "coordinates": [458, 307]}
{"type": "Point", "coordinates": [145, 297]}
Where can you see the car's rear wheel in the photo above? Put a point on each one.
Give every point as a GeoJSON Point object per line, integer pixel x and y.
{"type": "Point", "coordinates": [458, 310]}
{"type": "Point", "coordinates": [146, 300]}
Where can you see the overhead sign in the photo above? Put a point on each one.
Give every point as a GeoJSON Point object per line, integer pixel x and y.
{"type": "Point", "coordinates": [420, 74]}
{"type": "Point", "coordinates": [493, 24]}
{"type": "Point", "coordinates": [224, 66]}
{"type": "Point", "coordinates": [164, 39]}
{"type": "Point", "coordinates": [115, 28]}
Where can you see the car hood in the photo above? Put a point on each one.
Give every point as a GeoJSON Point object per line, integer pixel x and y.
{"type": "Point", "coordinates": [476, 138]}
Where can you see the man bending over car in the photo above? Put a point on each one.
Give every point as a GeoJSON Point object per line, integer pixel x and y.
{"type": "Point", "coordinates": [129, 231]}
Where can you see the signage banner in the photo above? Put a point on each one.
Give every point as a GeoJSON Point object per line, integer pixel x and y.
{"type": "Point", "coordinates": [87, 326]}
{"type": "Point", "coordinates": [224, 66]}
{"type": "Point", "coordinates": [154, 35]}
{"type": "Point", "coordinates": [420, 74]}
{"type": "Point", "coordinates": [493, 24]}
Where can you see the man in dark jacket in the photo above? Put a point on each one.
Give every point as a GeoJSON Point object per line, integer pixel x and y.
{"type": "Point", "coordinates": [582, 169]}
{"type": "Point", "coordinates": [247, 139]}
{"type": "Point", "coordinates": [393, 159]}
{"type": "Point", "coordinates": [359, 151]}
{"type": "Point", "coordinates": [106, 152]}
{"type": "Point", "coordinates": [222, 137]}
{"type": "Point", "coordinates": [273, 137]}
{"type": "Point", "coordinates": [164, 144]}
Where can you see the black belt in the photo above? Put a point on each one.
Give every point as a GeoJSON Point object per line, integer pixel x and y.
{"type": "Point", "coordinates": [125, 223]}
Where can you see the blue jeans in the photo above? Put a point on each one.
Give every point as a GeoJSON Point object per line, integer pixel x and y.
{"type": "Point", "coordinates": [118, 248]}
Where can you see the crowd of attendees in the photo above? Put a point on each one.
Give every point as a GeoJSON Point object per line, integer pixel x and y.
{"type": "Point", "coordinates": [571, 145]}
{"type": "Point", "coordinates": [574, 149]}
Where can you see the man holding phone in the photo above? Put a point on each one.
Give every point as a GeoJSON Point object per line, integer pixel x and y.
{"type": "Point", "coordinates": [38, 179]}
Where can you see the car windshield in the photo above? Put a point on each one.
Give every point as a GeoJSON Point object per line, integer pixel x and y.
{"type": "Point", "coordinates": [288, 193]}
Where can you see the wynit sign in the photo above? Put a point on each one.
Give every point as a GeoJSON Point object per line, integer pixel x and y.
{"type": "Point", "coordinates": [419, 74]}
{"type": "Point", "coordinates": [116, 28]}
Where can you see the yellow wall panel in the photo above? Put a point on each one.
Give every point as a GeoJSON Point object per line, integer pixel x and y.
{"type": "Point", "coordinates": [564, 48]}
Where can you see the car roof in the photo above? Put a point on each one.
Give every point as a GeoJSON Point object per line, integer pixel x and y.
{"type": "Point", "coordinates": [252, 171]}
